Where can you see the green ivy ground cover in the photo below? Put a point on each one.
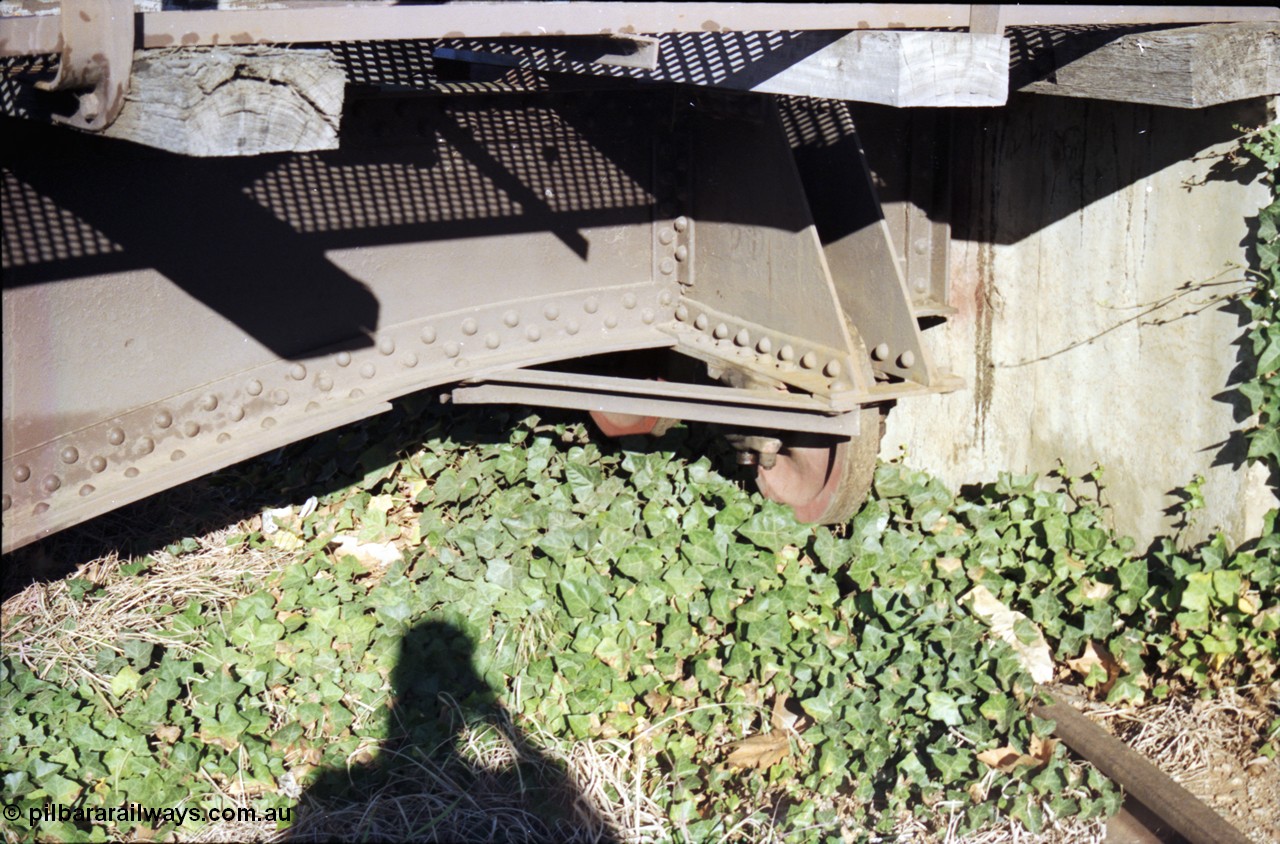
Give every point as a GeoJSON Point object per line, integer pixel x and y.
{"type": "Point", "coordinates": [762, 673]}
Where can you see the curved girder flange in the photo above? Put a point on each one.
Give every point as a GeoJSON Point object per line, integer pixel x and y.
{"type": "Point", "coordinates": [122, 458]}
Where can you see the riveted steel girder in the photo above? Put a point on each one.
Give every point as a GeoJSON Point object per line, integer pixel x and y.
{"type": "Point", "coordinates": [165, 316]}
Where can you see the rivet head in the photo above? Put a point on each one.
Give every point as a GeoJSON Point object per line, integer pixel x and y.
{"type": "Point", "coordinates": [721, 331]}
{"type": "Point", "coordinates": [809, 360]}
{"type": "Point", "coordinates": [833, 369]}
{"type": "Point", "coordinates": [41, 508]}
{"type": "Point", "coordinates": [451, 350]}
{"type": "Point", "coordinates": [765, 346]}
{"type": "Point", "coordinates": [164, 419]}
{"type": "Point", "coordinates": [409, 361]}
{"type": "Point", "coordinates": [787, 353]}
{"type": "Point", "coordinates": [742, 338]}
{"type": "Point", "coordinates": [298, 372]}
{"type": "Point", "coordinates": [368, 371]}
{"type": "Point", "coordinates": [69, 454]}
{"type": "Point", "coordinates": [98, 464]}
{"type": "Point", "coordinates": [533, 333]}
{"type": "Point", "coordinates": [131, 472]}
{"type": "Point", "coordinates": [611, 321]}
{"type": "Point", "coordinates": [209, 402]}
{"type": "Point", "coordinates": [492, 341]}
{"type": "Point", "coordinates": [224, 438]}
{"type": "Point", "coordinates": [571, 326]}
{"type": "Point", "coordinates": [312, 406]}
{"type": "Point", "coordinates": [269, 422]}
{"type": "Point", "coordinates": [356, 393]}
{"type": "Point", "coordinates": [907, 359]}
{"type": "Point", "coordinates": [682, 253]}
{"type": "Point", "coordinates": [700, 322]}
{"type": "Point", "coordinates": [386, 345]}
{"type": "Point", "coordinates": [324, 382]}
{"type": "Point", "coordinates": [6, 501]}
{"type": "Point", "coordinates": [146, 445]}
{"type": "Point", "coordinates": [665, 236]}
{"type": "Point", "coordinates": [177, 455]}
{"type": "Point", "coordinates": [551, 312]}
{"type": "Point", "coordinates": [254, 387]}
{"type": "Point", "coordinates": [881, 352]}
{"type": "Point", "coordinates": [87, 490]}
{"type": "Point", "coordinates": [628, 300]}
{"type": "Point", "coordinates": [51, 483]}
{"type": "Point", "coordinates": [469, 326]}
{"type": "Point", "coordinates": [667, 266]}
{"type": "Point", "coordinates": [681, 224]}
{"type": "Point", "coordinates": [664, 298]}
{"type": "Point", "coordinates": [511, 319]}
{"type": "Point", "coordinates": [682, 313]}
{"type": "Point", "coordinates": [428, 335]}
{"type": "Point", "coordinates": [237, 413]}
{"type": "Point", "coordinates": [191, 429]}
{"type": "Point", "coordinates": [591, 305]}
{"type": "Point", "coordinates": [281, 397]}
{"type": "Point", "coordinates": [647, 316]}
{"type": "Point", "coordinates": [342, 359]}
{"type": "Point", "coordinates": [115, 436]}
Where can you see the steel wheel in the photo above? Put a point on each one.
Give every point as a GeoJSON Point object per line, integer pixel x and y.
{"type": "Point", "coordinates": [824, 479]}
{"type": "Point", "coordinates": [624, 424]}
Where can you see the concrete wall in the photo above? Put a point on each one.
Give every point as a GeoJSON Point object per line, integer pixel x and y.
{"type": "Point", "coordinates": [1089, 239]}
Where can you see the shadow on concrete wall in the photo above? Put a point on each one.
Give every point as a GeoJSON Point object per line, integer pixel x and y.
{"type": "Point", "coordinates": [1041, 159]}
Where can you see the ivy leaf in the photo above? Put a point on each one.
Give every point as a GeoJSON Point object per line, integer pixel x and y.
{"type": "Point", "coordinates": [126, 680]}
{"type": "Point", "coordinates": [943, 707]}
{"type": "Point", "coordinates": [773, 528]}
{"type": "Point", "coordinates": [219, 688]}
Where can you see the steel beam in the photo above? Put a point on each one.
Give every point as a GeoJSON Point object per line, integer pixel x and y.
{"type": "Point", "coordinates": [145, 349]}
{"type": "Point", "coordinates": [372, 22]}
{"type": "Point", "coordinates": [764, 409]}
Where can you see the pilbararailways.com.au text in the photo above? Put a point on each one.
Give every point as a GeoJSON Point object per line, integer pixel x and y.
{"type": "Point", "coordinates": [135, 813]}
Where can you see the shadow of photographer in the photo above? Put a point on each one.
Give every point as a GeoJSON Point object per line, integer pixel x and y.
{"type": "Point", "coordinates": [453, 767]}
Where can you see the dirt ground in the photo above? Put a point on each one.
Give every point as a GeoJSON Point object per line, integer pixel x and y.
{"type": "Point", "coordinates": [1210, 748]}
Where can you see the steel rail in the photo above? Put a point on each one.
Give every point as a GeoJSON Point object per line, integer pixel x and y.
{"type": "Point", "coordinates": [1184, 813]}
{"type": "Point", "coordinates": [39, 34]}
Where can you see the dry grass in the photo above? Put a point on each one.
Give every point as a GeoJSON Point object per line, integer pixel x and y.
{"type": "Point", "coordinates": [50, 631]}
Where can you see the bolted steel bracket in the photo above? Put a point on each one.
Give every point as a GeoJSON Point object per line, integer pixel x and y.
{"type": "Point", "coordinates": [97, 54]}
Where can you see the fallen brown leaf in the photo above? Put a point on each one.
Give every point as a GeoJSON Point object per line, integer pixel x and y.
{"type": "Point", "coordinates": [1007, 759]}
{"type": "Point", "coordinates": [168, 733]}
{"type": "Point", "coordinates": [760, 752]}
{"type": "Point", "coordinates": [1095, 654]}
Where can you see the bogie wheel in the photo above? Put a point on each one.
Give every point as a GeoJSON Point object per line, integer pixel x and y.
{"type": "Point", "coordinates": [824, 479]}
{"type": "Point", "coordinates": [626, 424]}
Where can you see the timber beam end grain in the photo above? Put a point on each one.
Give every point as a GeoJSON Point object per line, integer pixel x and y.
{"type": "Point", "coordinates": [1188, 67]}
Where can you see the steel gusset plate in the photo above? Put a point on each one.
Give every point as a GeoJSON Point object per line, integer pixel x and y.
{"type": "Point", "coordinates": [150, 343]}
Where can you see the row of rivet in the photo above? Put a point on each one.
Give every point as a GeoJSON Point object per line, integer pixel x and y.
{"type": "Point", "coordinates": [776, 356]}
{"type": "Point", "coordinates": [255, 388]}
{"type": "Point", "coordinates": [115, 436]}
{"type": "Point", "coordinates": [672, 192]}
{"type": "Point", "coordinates": [881, 353]}
{"type": "Point", "coordinates": [764, 346]}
